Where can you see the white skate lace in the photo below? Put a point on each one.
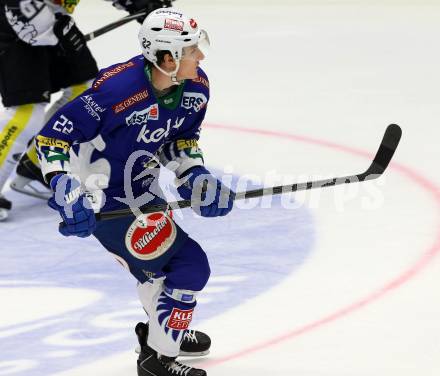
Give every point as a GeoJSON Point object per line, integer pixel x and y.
{"type": "Point", "coordinates": [191, 336]}
{"type": "Point", "coordinates": [177, 368]}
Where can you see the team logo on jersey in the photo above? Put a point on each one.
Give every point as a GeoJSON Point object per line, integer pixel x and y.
{"type": "Point", "coordinates": [194, 100]}
{"type": "Point", "coordinates": [141, 117]}
{"type": "Point", "coordinates": [172, 24]}
{"type": "Point", "coordinates": [130, 101]}
{"type": "Point", "coordinates": [150, 235]}
{"type": "Point", "coordinates": [180, 318]}
{"type": "Point", "coordinates": [93, 108]}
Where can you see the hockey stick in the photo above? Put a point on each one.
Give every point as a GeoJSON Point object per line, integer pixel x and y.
{"type": "Point", "coordinates": [380, 162]}
{"type": "Point", "coordinates": [113, 25]}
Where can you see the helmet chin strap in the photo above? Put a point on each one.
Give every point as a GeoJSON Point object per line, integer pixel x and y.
{"type": "Point", "coordinates": [173, 74]}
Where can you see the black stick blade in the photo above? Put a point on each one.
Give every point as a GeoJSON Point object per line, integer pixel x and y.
{"type": "Point", "coordinates": [383, 157]}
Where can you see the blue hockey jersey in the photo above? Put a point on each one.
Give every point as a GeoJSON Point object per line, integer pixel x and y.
{"type": "Point", "coordinates": [124, 121]}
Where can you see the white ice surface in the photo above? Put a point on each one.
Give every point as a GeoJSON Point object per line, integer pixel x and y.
{"type": "Point", "coordinates": [366, 300]}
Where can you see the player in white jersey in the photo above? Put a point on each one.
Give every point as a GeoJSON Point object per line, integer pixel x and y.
{"type": "Point", "coordinates": [41, 52]}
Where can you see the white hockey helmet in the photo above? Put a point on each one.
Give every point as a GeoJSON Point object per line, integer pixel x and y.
{"type": "Point", "coordinates": [168, 29]}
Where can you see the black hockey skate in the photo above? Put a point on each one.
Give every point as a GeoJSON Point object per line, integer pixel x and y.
{"type": "Point", "coordinates": [5, 207]}
{"type": "Point", "coordinates": [151, 363]}
{"type": "Point", "coordinates": [29, 179]}
{"type": "Point", "coordinates": [194, 343]}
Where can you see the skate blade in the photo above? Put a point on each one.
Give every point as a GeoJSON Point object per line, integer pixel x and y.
{"type": "Point", "coordinates": [26, 186]}
{"type": "Point", "coordinates": [201, 353]}
{"type": "Point", "coordinates": [137, 350]}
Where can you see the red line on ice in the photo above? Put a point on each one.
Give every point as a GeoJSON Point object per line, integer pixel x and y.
{"type": "Point", "coordinates": [395, 283]}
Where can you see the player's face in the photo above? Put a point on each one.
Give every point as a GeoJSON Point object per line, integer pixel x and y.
{"type": "Point", "coordinates": [191, 58]}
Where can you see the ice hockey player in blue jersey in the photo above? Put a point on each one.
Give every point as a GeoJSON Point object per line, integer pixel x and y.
{"type": "Point", "coordinates": [137, 116]}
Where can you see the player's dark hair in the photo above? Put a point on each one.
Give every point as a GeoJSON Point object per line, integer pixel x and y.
{"type": "Point", "coordinates": [160, 57]}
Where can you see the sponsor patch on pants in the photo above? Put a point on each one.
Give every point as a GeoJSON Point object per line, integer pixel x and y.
{"type": "Point", "coordinates": [180, 319]}
{"type": "Point", "coordinates": [150, 235]}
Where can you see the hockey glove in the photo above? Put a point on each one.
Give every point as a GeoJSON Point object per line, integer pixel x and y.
{"type": "Point", "coordinates": [214, 198]}
{"type": "Point", "coordinates": [134, 6]}
{"type": "Point", "coordinates": [74, 208]}
{"type": "Point", "coordinates": [71, 39]}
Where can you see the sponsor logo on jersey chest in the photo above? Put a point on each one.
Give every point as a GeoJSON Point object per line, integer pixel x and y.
{"type": "Point", "coordinates": [151, 133]}
{"type": "Point", "coordinates": [147, 135]}
{"type": "Point", "coordinates": [150, 236]}
{"type": "Point", "coordinates": [141, 117]}
{"type": "Point", "coordinates": [130, 101]}
{"type": "Point", "coordinates": [193, 100]}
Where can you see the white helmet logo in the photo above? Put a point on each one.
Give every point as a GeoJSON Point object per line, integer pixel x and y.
{"type": "Point", "coordinates": [171, 24]}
